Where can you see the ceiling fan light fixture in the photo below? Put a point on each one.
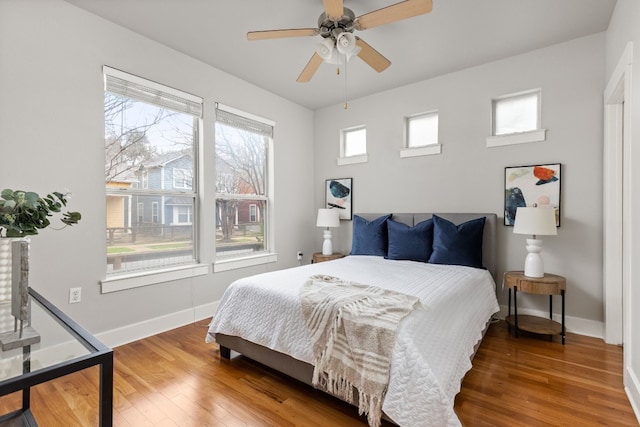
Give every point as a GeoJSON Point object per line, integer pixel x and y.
{"type": "Point", "coordinates": [346, 45]}
{"type": "Point", "coordinates": [327, 51]}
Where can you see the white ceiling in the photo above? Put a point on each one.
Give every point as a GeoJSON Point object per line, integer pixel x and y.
{"type": "Point", "coordinates": [457, 34]}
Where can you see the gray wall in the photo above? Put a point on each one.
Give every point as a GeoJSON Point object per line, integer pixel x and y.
{"type": "Point", "coordinates": [52, 138]}
{"type": "Point", "coordinates": [469, 177]}
{"type": "Point", "coordinates": [625, 27]}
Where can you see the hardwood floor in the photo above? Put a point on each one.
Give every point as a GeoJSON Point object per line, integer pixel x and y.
{"type": "Point", "coordinates": [175, 379]}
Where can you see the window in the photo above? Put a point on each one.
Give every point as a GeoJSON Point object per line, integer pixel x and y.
{"type": "Point", "coordinates": [154, 213]}
{"type": "Point", "coordinates": [243, 151]}
{"type": "Point", "coordinates": [151, 140]}
{"type": "Point", "coordinates": [516, 119]}
{"type": "Point", "coordinates": [182, 178]}
{"type": "Point", "coordinates": [421, 135]}
{"type": "Point", "coordinates": [183, 215]}
{"type": "Point", "coordinates": [353, 146]}
{"type": "Point", "coordinates": [144, 178]}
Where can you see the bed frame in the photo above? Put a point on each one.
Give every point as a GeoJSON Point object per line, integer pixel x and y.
{"type": "Point", "coordinates": [304, 371]}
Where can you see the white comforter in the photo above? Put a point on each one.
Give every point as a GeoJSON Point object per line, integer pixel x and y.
{"type": "Point", "coordinates": [433, 344]}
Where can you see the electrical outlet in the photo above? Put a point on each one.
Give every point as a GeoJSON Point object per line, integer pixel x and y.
{"type": "Point", "coordinates": [75, 295]}
{"type": "Point", "coordinates": [299, 255]}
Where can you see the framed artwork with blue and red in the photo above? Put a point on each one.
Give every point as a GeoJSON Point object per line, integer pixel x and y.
{"type": "Point", "coordinates": [339, 196]}
{"type": "Point", "coordinates": [535, 185]}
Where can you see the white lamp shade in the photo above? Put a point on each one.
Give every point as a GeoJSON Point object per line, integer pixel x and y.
{"type": "Point", "coordinates": [535, 221]}
{"type": "Point", "coordinates": [328, 218]}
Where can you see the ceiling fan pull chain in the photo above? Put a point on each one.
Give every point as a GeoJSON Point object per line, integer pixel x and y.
{"type": "Point", "coordinates": [346, 104]}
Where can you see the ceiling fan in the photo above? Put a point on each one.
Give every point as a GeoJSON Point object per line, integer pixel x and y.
{"type": "Point", "coordinates": [337, 24]}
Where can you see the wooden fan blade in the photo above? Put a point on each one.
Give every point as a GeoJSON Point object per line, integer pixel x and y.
{"type": "Point", "coordinates": [310, 69]}
{"type": "Point", "coordinates": [280, 34]}
{"type": "Point", "coordinates": [334, 9]}
{"type": "Point", "coordinates": [395, 12]}
{"type": "Point", "coordinates": [372, 56]}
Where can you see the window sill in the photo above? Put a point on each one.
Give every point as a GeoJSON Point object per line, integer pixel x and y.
{"type": "Point", "coordinates": [135, 280]}
{"type": "Point", "coordinates": [427, 150]}
{"type": "Point", "coordinates": [236, 263]}
{"type": "Point", "coordinates": [351, 160]}
{"type": "Point", "coordinates": [517, 138]}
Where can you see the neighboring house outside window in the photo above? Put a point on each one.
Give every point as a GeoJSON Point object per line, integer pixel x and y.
{"type": "Point", "coordinates": [151, 131]}
{"type": "Point", "coordinates": [243, 152]}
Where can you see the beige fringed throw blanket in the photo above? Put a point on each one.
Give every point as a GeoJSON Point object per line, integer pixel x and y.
{"type": "Point", "coordinates": [353, 329]}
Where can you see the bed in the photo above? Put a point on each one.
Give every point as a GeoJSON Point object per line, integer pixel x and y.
{"type": "Point", "coordinates": [260, 316]}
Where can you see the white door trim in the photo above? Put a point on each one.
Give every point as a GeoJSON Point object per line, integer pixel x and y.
{"type": "Point", "coordinates": [616, 142]}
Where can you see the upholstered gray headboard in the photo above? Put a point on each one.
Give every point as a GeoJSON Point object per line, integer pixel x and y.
{"type": "Point", "coordinates": [488, 240]}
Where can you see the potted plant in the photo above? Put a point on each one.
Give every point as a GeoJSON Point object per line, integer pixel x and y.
{"type": "Point", "coordinates": [23, 213]}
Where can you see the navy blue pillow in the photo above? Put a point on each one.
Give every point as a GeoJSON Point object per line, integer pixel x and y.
{"type": "Point", "coordinates": [458, 245]}
{"type": "Point", "coordinates": [411, 243]}
{"type": "Point", "coordinates": [369, 237]}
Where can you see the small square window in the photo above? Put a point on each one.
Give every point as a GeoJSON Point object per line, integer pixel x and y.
{"type": "Point", "coordinates": [354, 142]}
{"type": "Point", "coordinates": [516, 113]}
{"type": "Point", "coordinates": [422, 130]}
{"type": "Point", "coordinates": [516, 119]}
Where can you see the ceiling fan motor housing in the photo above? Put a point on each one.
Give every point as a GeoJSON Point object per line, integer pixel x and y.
{"type": "Point", "coordinates": [333, 29]}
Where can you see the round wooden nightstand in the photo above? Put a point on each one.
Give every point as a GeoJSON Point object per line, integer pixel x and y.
{"type": "Point", "coordinates": [550, 284]}
{"type": "Point", "coordinates": [318, 257]}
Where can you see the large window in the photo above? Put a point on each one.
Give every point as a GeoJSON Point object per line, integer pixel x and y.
{"type": "Point", "coordinates": [242, 149]}
{"type": "Point", "coordinates": [151, 140]}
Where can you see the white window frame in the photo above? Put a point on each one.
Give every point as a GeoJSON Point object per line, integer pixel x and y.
{"type": "Point", "coordinates": [353, 159]}
{"type": "Point", "coordinates": [178, 100]}
{"type": "Point", "coordinates": [145, 178]}
{"type": "Point", "coordinates": [140, 212]}
{"type": "Point", "coordinates": [155, 212]}
{"type": "Point", "coordinates": [269, 255]}
{"type": "Point", "coordinates": [534, 135]}
{"type": "Point", "coordinates": [177, 213]}
{"type": "Point", "coordinates": [423, 149]}
{"type": "Point", "coordinates": [182, 178]}
{"type": "Point", "coordinates": [253, 212]}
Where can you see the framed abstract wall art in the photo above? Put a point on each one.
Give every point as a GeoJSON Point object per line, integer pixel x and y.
{"type": "Point", "coordinates": [537, 185]}
{"type": "Point", "coordinates": [338, 195]}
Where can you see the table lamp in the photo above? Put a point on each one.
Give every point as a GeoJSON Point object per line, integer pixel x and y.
{"type": "Point", "coordinates": [328, 218]}
{"type": "Point", "coordinates": [536, 222]}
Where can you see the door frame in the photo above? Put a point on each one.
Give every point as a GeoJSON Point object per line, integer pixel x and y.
{"type": "Point", "coordinates": [616, 250]}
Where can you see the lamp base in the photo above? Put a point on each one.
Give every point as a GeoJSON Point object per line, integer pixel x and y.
{"type": "Point", "coordinates": [533, 266]}
{"type": "Point", "coordinates": [327, 246]}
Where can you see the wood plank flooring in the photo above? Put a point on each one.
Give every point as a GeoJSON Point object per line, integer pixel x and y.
{"type": "Point", "coordinates": [175, 379]}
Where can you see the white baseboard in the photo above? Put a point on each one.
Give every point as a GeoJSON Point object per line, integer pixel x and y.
{"type": "Point", "coordinates": [576, 325]}
{"type": "Point", "coordinates": [632, 388]}
{"type": "Point", "coordinates": [137, 331]}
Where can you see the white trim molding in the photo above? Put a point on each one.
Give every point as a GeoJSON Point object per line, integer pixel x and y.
{"type": "Point", "coordinates": [517, 138]}
{"type": "Point", "coordinates": [617, 96]}
{"type": "Point", "coordinates": [426, 150]}
{"type": "Point", "coordinates": [136, 280]}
